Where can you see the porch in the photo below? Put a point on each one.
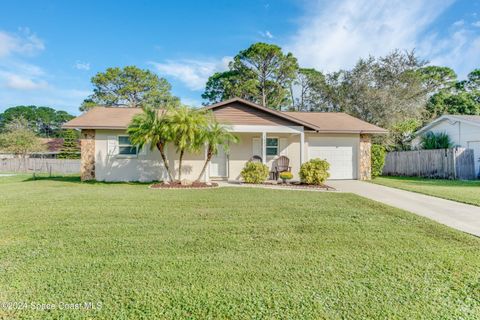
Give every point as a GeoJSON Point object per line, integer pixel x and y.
{"type": "Point", "coordinates": [264, 142]}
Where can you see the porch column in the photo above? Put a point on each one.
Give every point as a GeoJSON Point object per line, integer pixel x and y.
{"type": "Point", "coordinates": [302, 148]}
{"type": "Point", "coordinates": [264, 147]}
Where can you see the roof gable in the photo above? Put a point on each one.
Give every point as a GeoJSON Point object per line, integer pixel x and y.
{"type": "Point", "coordinates": [240, 111]}
{"type": "Point", "coordinates": [472, 120]}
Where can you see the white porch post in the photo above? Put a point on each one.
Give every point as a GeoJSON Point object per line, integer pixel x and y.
{"type": "Point", "coordinates": [207, 170]}
{"type": "Point", "coordinates": [264, 147]}
{"type": "Point", "coordinates": [302, 147]}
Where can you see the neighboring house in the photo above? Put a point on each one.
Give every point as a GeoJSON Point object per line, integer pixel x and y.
{"type": "Point", "coordinates": [464, 131]}
{"type": "Point", "coordinates": [344, 141]}
{"type": "Point", "coordinates": [52, 148]}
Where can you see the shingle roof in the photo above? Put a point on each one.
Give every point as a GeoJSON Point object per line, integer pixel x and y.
{"type": "Point", "coordinates": [336, 122]}
{"type": "Point", "coordinates": [104, 118]}
{"type": "Point", "coordinates": [328, 122]}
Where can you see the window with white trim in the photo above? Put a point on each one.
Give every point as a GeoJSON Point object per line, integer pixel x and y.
{"type": "Point", "coordinates": [272, 147]}
{"type": "Point", "coordinates": [125, 147]}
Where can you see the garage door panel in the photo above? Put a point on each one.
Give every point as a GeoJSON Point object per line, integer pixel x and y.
{"type": "Point", "coordinates": [339, 154]}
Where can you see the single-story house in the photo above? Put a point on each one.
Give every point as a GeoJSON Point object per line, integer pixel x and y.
{"type": "Point", "coordinates": [464, 131]}
{"type": "Point", "coordinates": [344, 141]}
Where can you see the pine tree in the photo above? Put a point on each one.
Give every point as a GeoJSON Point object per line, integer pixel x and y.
{"type": "Point", "coordinates": [70, 148]}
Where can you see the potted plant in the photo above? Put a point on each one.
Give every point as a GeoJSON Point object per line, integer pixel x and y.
{"type": "Point", "coordinates": [286, 175]}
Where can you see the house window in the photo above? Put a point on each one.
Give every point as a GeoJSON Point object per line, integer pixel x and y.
{"type": "Point", "coordinates": [272, 146]}
{"type": "Point", "coordinates": [125, 147]}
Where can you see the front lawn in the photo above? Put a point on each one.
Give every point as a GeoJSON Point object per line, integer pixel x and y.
{"type": "Point", "coordinates": [225, 253]}
{"type": "Point", "coordinates": [461, 191]}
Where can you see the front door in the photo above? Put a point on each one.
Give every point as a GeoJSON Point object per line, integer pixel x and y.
{"type": "Point", "coordinates": [218, 165]}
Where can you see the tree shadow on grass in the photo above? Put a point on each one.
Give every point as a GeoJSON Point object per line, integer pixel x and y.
{"type": "Point", "coordinates": [76, 179]}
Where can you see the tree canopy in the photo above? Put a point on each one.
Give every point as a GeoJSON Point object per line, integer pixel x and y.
{"type": "Point", "coordinates": [129, 86]}
{"type": "Point", "coordinates": [261, 73]}
{"type": "Point", "coordinates": [44, 121]}
{"type": "Point", "coordinates": [19, 139]}
{"type": "Point", "coordinates": [461, 97]}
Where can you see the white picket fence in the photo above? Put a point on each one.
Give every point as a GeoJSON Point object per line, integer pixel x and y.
{"type": "Point", "coordinates": [39, 165]}
{"type": "Point", "coordinates": [455, 163]}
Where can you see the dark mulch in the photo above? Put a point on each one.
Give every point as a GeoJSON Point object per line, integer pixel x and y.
{"type": "Point", "coordinates": [299, 185]}
{"type": "Point", "coordinates": [178, 185]}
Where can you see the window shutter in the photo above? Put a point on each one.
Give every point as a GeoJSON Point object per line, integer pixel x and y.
{"type": "Point", "coordinates": [256, 147]}
{"type": "Point", "coordinates": [112, 145]}
{"type": "Point", "coordinates": [283, 144]}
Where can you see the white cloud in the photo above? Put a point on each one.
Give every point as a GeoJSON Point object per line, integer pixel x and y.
{"type": "Point", "coordinates": [459, 50]}
{"type": "Point", "coordinates": [23, 42]}
{"type": "Point", "coordinates": [19, 82]}
{"type": "Point", "coordinates": [22, 76]}
{"type": "Point", "coordinates": [24, 83]}
{"type": "Point", "coordinates": [82, 65]}
{"type": "Point", "coordinates": [476, 24]}
{"type": "Point", "coordinates": [336, 35]}
{"type": "Point", "coordinates": [458, 23]}
{"type": "Point", "coordinates": [266, 34]}
{"type": "Point", "coordinates": [193, 73]}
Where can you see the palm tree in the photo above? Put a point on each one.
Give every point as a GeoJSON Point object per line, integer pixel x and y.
{"type": "Point", "coordinates": [152, 126]}
{"type": "Point", "coordinates": [186, 126]}
{"type": "Point", "coordinates": [215, 135]}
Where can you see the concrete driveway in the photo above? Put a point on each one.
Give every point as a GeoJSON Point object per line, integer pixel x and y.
{"type": "Point", "coordinates": [457, 215]}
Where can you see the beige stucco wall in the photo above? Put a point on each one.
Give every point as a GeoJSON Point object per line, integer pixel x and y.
{"type": "Point", "coordinates": [147, 165]}
{"type": "Point", "coordinates": [240, 153]}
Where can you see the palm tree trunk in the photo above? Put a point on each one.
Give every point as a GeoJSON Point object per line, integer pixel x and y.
{"type": "Point", "coordinates": [180, 165]}
{"type": "Point", "coordinates": [209, 157]}
{"type": "Point", "coordinates": [161, 149]}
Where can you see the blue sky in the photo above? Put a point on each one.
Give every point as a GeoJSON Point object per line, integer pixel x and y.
{"type": "Point", "coordinates": [49, 50]}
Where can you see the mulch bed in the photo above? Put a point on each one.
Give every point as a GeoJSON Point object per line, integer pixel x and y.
{"type": "Point", "coordinates": [178, 185]}
{"type": "Point", "coordinates": [298, 185]}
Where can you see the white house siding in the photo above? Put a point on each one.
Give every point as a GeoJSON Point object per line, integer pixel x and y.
{"type": "Point", "coordinates": [462, 134]}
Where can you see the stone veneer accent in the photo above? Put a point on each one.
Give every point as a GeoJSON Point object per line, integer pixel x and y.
{"type": "Point", "coordinates": [87, 164]}
{"type": "Point", "coordinates": [365, 157]}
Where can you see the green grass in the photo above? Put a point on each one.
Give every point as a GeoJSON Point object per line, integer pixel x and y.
{"type": "Point", "coordinates": [226, 253]}
{"type": "Point", "coordinates": [461, 191]}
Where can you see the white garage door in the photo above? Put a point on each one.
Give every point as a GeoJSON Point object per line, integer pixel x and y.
{"type": "Point", "coordinates": [340, 153]}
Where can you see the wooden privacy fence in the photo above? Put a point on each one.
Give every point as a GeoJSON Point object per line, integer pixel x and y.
{"type": "Point", "coordinates": [38, 165]}
{"type": "Point", "coordinates": [455, 163]}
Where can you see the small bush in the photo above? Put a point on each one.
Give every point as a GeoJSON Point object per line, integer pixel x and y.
{"type": "Point", "coordinates": [286, 175]}
{"type": "Point", "coordinates": [432, 140]}
{"type": "Point", "coordinates": [314, 171]}
{"type": "Point", "coordinates": [378, 159]}
{"type": "Point", "coordinates": [254, 172]}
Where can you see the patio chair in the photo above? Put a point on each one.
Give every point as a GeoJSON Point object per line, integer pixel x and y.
{"type": "Point", "coordinates": [282, 165]}
{"type": "Point", "coordinates": [256, 159]}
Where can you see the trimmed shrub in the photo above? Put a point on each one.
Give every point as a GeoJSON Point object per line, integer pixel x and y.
{"type": "Point", "coordinates": [378, 159]}
{"type": "Point", "coordinates": [254, 172]}
{"type": "Point", "coordinates": [314, 171]}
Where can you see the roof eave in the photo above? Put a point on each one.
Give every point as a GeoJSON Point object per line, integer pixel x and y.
{"type": "Point", "coordinates": [271, 111]}
{"type": "Point", "coordinates": [94, 127]}
{"type": "Point", "coordinates": [354, 131]}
